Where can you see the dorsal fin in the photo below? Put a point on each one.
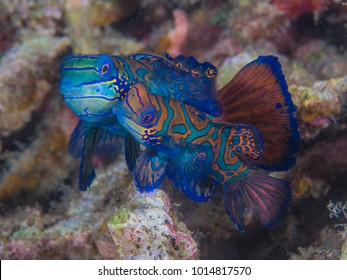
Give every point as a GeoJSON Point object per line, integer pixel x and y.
{"type": "Point", "coordinates": [184, 79]}
{"type": "Point", "coordinates": [258, 95]}
{"type": "Point", "coordinates": [190, 64]}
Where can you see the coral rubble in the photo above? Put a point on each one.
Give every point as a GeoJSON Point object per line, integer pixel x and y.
{"type": "Point", "coordinates": [24, 85]}
{"type": "Point", "coordinates": [320, 107]}
{"type": "Point", "coordinates": [146, 228]}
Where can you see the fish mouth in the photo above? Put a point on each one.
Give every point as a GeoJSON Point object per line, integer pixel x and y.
{"type": "Point", "coordinates": [71, 93]}
{"type": "Point", "coordinates": [73, 97]}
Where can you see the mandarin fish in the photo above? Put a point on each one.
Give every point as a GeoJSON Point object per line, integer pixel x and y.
{"type": "Point", "coordinates": [199, 152]}
{"type": "Point", "coordinates": [93, 84]}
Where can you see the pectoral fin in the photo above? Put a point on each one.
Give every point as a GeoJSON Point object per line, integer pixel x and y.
{"type": "Point", "coordinates": [149, 171]}
{"type": "Point", "coordinates": [189, 174]}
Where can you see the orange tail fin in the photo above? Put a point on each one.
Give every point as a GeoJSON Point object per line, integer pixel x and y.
{"type": "Point", "coordinates": [258, 95]}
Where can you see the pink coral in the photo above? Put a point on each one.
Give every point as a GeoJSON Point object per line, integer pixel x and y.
{"type": "Point", "coordinates": [296, 8]}
{"type": "Point", "coordinates": [106, 249]}
{"type": "Point", "coordinates": [319, 121]}
{"type": "Point", "coordinates": [178, 36]}
{"type": "Point", "coordinates": [180, 238]}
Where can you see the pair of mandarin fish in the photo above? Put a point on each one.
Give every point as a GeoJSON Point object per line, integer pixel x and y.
{"type": "Point", "coordinates": [196, 136]}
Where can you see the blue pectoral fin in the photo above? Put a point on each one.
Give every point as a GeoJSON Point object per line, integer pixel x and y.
{"type": "Point", "coordinates": [132, 150]}
{"type": "Point", "coordinates": [266, 196]}
{"type": "Point", "coordinates": [149, 171]}
{"type": "Point", "coordinates": [197, 190]}
{"type": "Point", "coordinates": [87, 171]}
{"type": "Point", "coordinates": [76, 141]}
{"type": "Point", "coordinates": [189, 174]}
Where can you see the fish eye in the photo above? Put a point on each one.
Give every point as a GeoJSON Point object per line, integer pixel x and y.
{"type": "Point", "coordinates": [104, 68]}
{"type": "Point", "coordinates": [148, 115]}
{"type": "Point", "coordinates": [147, 118]}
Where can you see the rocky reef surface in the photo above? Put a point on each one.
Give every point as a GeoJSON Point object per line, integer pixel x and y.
{"type": "Point", "coordinates": [42, 214]}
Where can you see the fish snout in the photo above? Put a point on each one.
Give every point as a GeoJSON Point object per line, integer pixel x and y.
{"type": "Point", "coordinates": [66, 88]}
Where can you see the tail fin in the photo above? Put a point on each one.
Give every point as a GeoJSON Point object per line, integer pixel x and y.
{"type": "Point", "coordinates": [258, 95]}
{"type": "Point", "coordinates": [149, 171]}
{"type": "Point", "coordinates": [266, 196]}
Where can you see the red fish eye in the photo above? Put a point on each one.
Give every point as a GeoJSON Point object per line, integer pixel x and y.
{"type": "Point", "coordinates": [104, 69]}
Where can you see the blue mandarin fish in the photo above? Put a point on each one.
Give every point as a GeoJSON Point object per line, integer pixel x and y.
{"type": "Point", "coordinates": [199, 152]}
{"type": "Point", "coordinates": [93, 84]}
